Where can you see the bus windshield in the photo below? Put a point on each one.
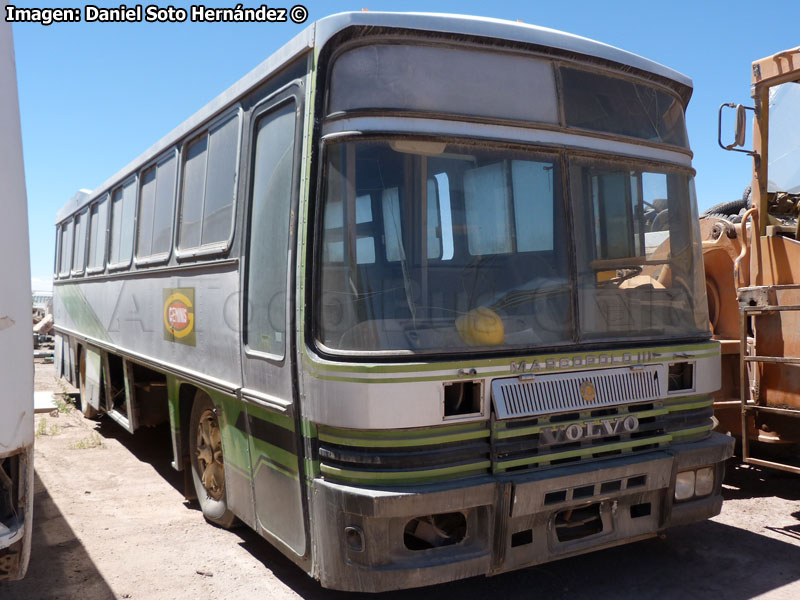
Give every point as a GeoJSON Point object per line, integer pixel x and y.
{"type": "Point", "coordinates": [433, 247]}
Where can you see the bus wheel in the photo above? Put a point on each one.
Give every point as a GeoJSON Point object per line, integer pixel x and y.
{"type": "Point", "coordinates": [89, 411]}
{"type": "Point", "coordinates": [208, 468]}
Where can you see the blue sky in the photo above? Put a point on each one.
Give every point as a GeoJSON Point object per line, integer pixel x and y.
{"type": "Point", "coordinates": [93, 96]}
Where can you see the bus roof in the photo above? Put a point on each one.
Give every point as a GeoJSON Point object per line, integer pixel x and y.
{"type": "Point", "coordinates": [318, 33]}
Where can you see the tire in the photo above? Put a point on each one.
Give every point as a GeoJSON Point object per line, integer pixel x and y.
{"type": "Point", "coordinates": [747, 195]}
{"type": "Point", "coordinates": [89, 411]}
{"type": "Point", "coordinates": [205, 453]}
{"type": "Point", "coordinates": [725, 208]}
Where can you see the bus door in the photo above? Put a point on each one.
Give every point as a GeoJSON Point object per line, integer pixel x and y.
{"type": "Point", "coordinates": [267, 358]}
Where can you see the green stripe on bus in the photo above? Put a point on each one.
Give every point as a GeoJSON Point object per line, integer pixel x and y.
{"type": "Point", "coordinates": [399, 442]}
{"type": "Point", "coordinates": [403, 476]}
{"type": "Point", "coordinates": [535, 460]}
{"type": "Point", "coordinates": [275, 454]}
{"type": "Point", "coordinates": [267, 415]}
{"type": "Point", "coordinates": [84, 318]}
{"type": "Point", "coordinates": [686, 433]}
{"type": "Point", "coordinates": [691, 405]}
{"type": "Point", "coordinates": [402, 379]}
{"type": "Point", "coordinates": [312, 467]}
{"type": "Point", "coordinates": [243, 472]}
{"type": "Point", "coordinates": [399, 433]}
{"type": "Point", "coordinates": [308, 429]}
{"type": "Point", "coordinates": [657, 352]}
{"type": "Point", "coordinates": [264, 462]}
{"type": "Point", "coordinates": [503, 373]}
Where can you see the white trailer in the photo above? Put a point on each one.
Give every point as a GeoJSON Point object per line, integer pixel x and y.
{"type": "Point", "coordinates": [16, 344]}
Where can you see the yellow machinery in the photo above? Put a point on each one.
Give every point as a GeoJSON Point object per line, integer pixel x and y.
{"type": "Point", "coordinates": [751, 250]}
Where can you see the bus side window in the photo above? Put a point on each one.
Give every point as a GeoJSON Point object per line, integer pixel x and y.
{"type": "Point", "coordinates": [156, 199]}
{"type": "Point", "coordinates": [123, 206]}
{"type": "Point", "coordinates": [613, 227]}
{"type": "Point", "coordinates": [66, 249]}
{"type": "Point", "coordinates": [445, 213]}
{"type": "Point", "coordinates": [268, 257]}
{"type": "Point", "coordinates": [209, 186]}
{"type": "Point", "coordinates": [532, 184]}
{"type": "Point", "coordinates": [98, 224]}
{"type": "Point", "coordinates": [392, 224]}
{"type": "Point", "coordinates": [365, 241]}
{"type": "Point", "coordinates": [488, 209]}
{"type": "Point", "coordinates": [57, 263]}
{"type": "Point", "coordinates": [79, 247]}
{"type": "Point", "coordinates": [165, 202]}
{"type": "Point", "coordinates": [147, 200]}
{"type": "Point", "coordinates": [440, 229]}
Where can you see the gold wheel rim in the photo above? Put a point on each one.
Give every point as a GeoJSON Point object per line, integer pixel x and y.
{"type": "Point", "coordinates": [208, 452]}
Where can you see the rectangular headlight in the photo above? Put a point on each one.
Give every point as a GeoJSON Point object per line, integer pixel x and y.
{"type": "Point", "coordinates": [684, 485]}
{"type": "Point", "coordinates": [704, 481]}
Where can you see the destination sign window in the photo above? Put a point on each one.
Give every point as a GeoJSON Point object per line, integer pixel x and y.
{"type": "Point", "coordinates": [444, 80]}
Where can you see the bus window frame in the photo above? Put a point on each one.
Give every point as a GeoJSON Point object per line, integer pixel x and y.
{"type": "Point", "coordinates": [84, 216]}
{"type": "Point", "coordinates": [104, 197]}
{"type": "Point", "coordinates": [293, 92]}
{"type": "Point", "coordinates": [69, 222]}
{"type": "Point", "coordinates": [379, 39]}
{"type": "Point", "coordinates": [633, 78]}
{"type": "Point", "coordinates": [120, 266]}
{"type": "Point", "coordinates": [220, 248]}
{"type": "Point", "coordinates": [57, 259]}
{"type": "Point", "coordinates": [161, 257]}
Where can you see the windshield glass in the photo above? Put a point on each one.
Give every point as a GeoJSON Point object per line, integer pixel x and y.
{"type": "Point", "coordinates": [784, 138]}
{"type": "Point", "coordinates": [640, 270]}
{"type": "Point", "coordinates": [434, 247]}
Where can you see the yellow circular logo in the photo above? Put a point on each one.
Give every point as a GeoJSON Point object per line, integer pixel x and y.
{"type": "Point", "coordinates": [179, 315]}
{"type": "Point", "coordinates": [588, 391]}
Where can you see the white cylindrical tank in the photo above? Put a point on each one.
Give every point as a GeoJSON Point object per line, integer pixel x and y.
{"type": "Point", "coordinates": [16, 341]}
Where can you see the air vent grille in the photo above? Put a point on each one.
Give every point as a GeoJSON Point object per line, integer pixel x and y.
{"type": "Point", "coordinates": [548, 394]}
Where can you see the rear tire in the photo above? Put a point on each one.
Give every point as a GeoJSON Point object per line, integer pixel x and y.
{"type": "Point", "coordinates": [89, 411]}
{"type": "Point", "coordinates": [208, 470]}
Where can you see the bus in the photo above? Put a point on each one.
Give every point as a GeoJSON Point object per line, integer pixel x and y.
{"type": "Point", "coordinates": [421, 298]}
{"type": "Point", "coordinates": [16, 338]}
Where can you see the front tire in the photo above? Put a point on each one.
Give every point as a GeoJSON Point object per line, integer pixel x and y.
{"type": "Point", "coordinates": [208, 467]}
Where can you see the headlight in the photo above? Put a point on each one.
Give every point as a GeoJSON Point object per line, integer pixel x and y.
{"type": "Point", "coordinates": [704, 481]}
{"type": "Point", "coordinates": [684, 485]}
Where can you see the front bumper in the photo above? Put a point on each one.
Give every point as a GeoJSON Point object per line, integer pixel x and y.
{"type": "Point", "coordinates": [512, 521]}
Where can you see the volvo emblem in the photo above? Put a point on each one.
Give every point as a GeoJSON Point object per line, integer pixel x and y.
{"type": "Point", "coordinates": [587, 430]}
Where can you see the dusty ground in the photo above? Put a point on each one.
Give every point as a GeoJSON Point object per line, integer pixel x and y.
{"type": "Point", "coordinates": [111, 522]}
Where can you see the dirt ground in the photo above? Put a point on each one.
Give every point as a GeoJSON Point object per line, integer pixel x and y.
{"type": "Point", "coordinates": [110, 521]}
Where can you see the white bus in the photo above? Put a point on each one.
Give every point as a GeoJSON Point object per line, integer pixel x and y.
{"type": "Point", "coordinates": [16, 339]}
{"type": "Point", "coordinates": [421, 298]}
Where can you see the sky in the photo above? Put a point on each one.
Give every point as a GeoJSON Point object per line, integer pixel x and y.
{"type": "Point", "coordinates": [94, 96]}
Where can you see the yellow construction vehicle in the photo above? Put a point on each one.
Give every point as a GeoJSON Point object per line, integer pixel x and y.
{"type": "Point", "coordinates": [751, 250]}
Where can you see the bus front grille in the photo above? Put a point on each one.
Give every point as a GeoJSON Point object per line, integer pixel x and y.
{"type": "Point", "coordinates": [549, 441]}
{"type": "Point", "coordinates": [387, 458]}
{"type": "Point", "coordinates": [516, 397]}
